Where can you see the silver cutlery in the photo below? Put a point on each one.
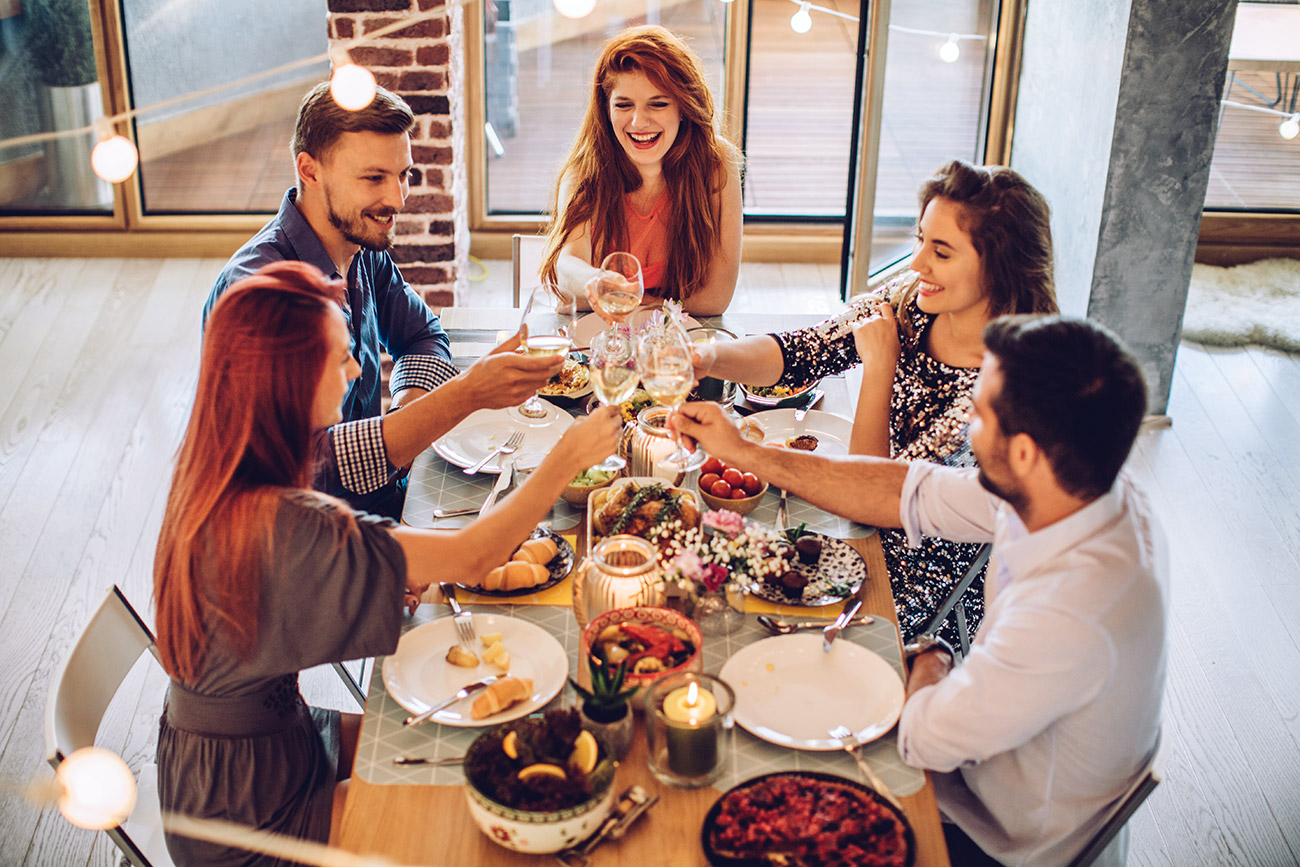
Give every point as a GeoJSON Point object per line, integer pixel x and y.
{"type": "Point", "coordinates": [503, 481]}
{"type": "Point", "coordinates": [830, 633]}
{"type": "Point", "coordinates": [508, 447]}
{"type": "Point", "coordinates": [780, 627]}
{"type": "Point", "coordinates": [463, 692]}
{"type": "Point", "coordinates": [456, 513]}
{"type": "Point", "coordinates": [463, 619]}
{"type": "Point", "coordinates": [802, 410]}
{"type": "Point", "coordinates": [850, 745]}
{"type": "Point", "coordinates": [405, 761]}
{"type": "Point", "coordinates": [782, 511]}
{"type": "Point", "coordinates": [634, 801]}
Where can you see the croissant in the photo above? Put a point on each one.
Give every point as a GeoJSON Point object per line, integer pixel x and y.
{"type": "Point", "coordinates": [540, 551]}
{"type": "Point", "coordinates": [500, 695]}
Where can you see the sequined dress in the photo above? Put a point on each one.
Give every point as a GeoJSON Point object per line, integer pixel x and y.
{"type": "Point", "coordinates": [928, 412]}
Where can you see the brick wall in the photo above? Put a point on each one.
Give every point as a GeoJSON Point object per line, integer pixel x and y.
{"type": "Point", "coordinates": [424, 64]}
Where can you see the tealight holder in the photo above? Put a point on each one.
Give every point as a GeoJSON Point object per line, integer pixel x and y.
{"type": "Point", "coordinates": [688, 728]}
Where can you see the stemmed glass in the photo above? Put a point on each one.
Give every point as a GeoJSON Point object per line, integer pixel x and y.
{"type": "Point", "coordinates": [664, 355]}
{"type": "Point", "coordinates": [548, 323]}
{"type": "Point", "coordinates": [618, 287]}
{"type": "Point", "coordinates": [613, 376]}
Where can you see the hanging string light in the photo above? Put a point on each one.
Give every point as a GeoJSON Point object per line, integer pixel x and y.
{"type": "Point", "coordinates": [114, 157]}
{"type": "Point", "coordinates": [574, 8]}
{"type": "Point", "coordinates": [1289, 128]}
{"type": "Point", "coordinates": [96, 789]}
{"type": "Point", "coordinates": [352, 86]}
{"type": "Point", "coordinates": [801, 21]}
{"type": "Point", "coordinates": [950, 51]}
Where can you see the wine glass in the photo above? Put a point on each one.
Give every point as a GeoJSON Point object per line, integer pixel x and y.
{"type": "Point", "coordinates": [548, 323]}
{"type": "Point", "coordinates": [617, 288]}
{"type": "Point", "coordinates": [664, 355]}
{"type": "Point", "coordinates": [613, 377]}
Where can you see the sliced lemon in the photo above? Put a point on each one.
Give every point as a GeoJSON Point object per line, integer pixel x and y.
{"type": "Point", "coordinates": [543, 770]}
{"type": "Point", "coordinates": [585, 751]}
{"type": "Point", "coordinates": [510, 744]}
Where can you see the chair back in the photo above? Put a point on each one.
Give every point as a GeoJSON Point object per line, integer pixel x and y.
{"type": "Point", "coordinates": [102, 656]}
{"type": "Point", "coordinates": [1123, 809]}
{"type": "Point", "coordinates": [526, 256]}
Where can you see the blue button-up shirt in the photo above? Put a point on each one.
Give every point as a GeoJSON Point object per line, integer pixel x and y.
{"type": "Point", "coordinates": [382, 312]}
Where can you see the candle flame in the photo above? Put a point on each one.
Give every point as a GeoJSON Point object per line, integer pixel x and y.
{"type": "Point", "coordinates": [692, 694]}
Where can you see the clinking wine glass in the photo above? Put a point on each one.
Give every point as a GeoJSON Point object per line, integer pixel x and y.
{"type": "Point", "coordinates": [613, 377]}
{"type": "Point", "coordinates": [667, 372]}
{"type": "Point", "coordinates": [547, 323]}
{"type": "Point", "coordinates": [618, 287]}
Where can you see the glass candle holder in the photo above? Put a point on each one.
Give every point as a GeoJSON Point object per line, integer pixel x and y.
{"type": "Point", "coordinates": [688, 728]}
{"type": "Point", "coordinates": [622, 572]}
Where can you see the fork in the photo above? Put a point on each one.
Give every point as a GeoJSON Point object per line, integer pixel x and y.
{"type": "Point", "coordinates": [850, 745]}
{"type": "Point", "coordinates": [463, 619]}
{"type": "Point", "coordinates": [509, 447]}
{"type": "Point", "coordinates": [782, 511]}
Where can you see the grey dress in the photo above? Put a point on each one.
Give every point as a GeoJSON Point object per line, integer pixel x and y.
{"type": "Point", "coordinates": [241, 744]}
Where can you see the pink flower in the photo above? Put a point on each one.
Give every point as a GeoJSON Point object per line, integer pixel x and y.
{"type": "Point", "coordinates": [724, 521]}
{"type": "Point", "coordinates": [690, 565]}
{"type": "Point", "coordinates": [714, 578]}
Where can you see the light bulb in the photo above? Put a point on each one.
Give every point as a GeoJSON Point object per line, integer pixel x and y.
{"type": "Point", "coordinates": [114, 159]}
{"type": "Point", "coordinates": [949, 52]}
{"type": "Point", "coordinates": [574, 8]}
{"type": "Point", "coordinates": [98, 789]}
{"type": "Point", "coordinates": [801, 21]}
{"type": "Point", "coordinates": [352, 86]}
{"type": "Point", "coordinates": [1289, 128]}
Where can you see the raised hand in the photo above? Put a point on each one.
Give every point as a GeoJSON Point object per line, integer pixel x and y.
{"type": "Point", "coordinates": [504, 378]}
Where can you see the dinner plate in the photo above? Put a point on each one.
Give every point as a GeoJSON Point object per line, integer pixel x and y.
{"type": "Point", "coordinates": [485, 429]}
{"type": "Point", "coordinates": [418, 674]}
{"type": "Point", "coordinates": [570, 394]}
{"type": "Point", "coordinates": [586, 328]}
{"type": "Point", "coordinates": [789, 691]}
{"type": "Point", "coordinates": [559, 567]}
{"type": "Point", "coordinates": [792, 400]}
{"type": "Point", "coordinates": [832, 431]}
{"type": "Point", "coordinates": [836, 575]}
{"type": "Point", "coordinates": [812, 783]}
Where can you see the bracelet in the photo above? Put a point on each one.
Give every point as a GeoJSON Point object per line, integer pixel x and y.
{"type": "Point", "coordinates": [927, 641]}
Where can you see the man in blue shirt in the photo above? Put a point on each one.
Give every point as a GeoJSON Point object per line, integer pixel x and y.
{"type": "Point", "coordinates": [353, 178]}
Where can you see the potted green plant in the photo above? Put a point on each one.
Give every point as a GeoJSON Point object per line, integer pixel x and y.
{"type": "Point", "coordinates": [604, 706]}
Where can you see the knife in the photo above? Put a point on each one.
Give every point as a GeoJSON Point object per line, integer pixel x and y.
{"type": "Point", "coordinates": [463, 692]}
{"type": "Point", "coordinates": [503, 481]}
{"type": "Point", "coordinates": [830, 633]}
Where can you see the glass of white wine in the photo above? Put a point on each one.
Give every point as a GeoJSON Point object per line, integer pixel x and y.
{"type": "Point", "coordinates": [664, 356]}
{"type": "Point", "coordinates": [548, 323]}
{"type": "Point", "coordinates": [618, 287]}
{"type": "Point", "coordinates": [613, 377]}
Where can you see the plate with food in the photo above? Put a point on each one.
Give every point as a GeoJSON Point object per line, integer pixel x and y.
{"type": "Point", "coordinates": [821, 432]}
{"type": "Point", "coordinates": [806, 818]}
{"type": "Point", "coordinates": [790, 692]}
{"type": "Point", "coordinates": [654, 642]}
{"type": "Point", "coordinates": [543, 561]}
{"type": "Point", "coordinates": [573, 380]}
{"type": "Point", "coordinates": [629, 408]}
{"type": "Point", "coordinates": [484, 430]}
{"type": "Point", "coordinates": [420, 672]}
{"type": "Point", "coordinates": [777, 395]}
{"type": "Point", "coordinates": [639, 506]}
{"type": "Point", "coordinates": [586, 328]}
{"type": "Point", "coordinates": [823, 570]}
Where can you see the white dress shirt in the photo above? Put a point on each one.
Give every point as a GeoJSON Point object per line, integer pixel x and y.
{"type": "Point", "coordinates": [1056, 709]}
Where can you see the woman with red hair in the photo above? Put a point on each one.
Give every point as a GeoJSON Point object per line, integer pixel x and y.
{"type": "Point", "coordinates": [651, 175]}
{"type": "Point", "coordinates": [257, 576]}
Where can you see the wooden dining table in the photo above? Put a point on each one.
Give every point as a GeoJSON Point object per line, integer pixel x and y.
{"type": "Point", "coordinates": [431, 825]}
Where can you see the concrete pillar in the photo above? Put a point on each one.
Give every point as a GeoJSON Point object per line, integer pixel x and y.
{"type": "Point", "coordinates": [1115, 124]}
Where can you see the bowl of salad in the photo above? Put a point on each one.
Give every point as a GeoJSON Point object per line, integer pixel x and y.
{"type": "Point", "coordinates": [653, 642]}
{"type": "Point", "coordinates": [777, 396]}
{"type": "Point", "coordinates": [584, 483]}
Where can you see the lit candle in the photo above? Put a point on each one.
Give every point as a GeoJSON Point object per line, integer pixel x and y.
{"type": "Point", "coordinates": [692, 738]}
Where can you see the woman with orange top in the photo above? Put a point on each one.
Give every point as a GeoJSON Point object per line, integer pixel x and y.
{"type": "Point", "coordinates": [650, 175]}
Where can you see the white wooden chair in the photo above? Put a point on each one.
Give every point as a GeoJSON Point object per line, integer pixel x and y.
{"type": "Point", "coordinates": [526, 257]}
{"type": "Point", "coordinates": [1123, 809]}
{"type": "Point", "coordinates": [103, 655]}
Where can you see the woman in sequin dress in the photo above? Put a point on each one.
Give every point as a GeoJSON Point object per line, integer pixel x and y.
{"type": "Point", "coordinates": [983, 249]}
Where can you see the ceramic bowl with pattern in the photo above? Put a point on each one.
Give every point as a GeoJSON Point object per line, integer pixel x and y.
{"type": "Point", "coordinates": [664, 619]}
{"type": "Point", "coordinates": [779, 396]}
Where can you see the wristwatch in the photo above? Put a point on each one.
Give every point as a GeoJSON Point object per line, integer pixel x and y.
{"type": "Point", "coordinates": [928, 641]}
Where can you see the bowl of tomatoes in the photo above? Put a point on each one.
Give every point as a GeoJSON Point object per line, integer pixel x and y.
{"type": "Point", "coordinates": [725, 487]}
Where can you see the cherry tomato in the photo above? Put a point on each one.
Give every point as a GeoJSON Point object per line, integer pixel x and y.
{"type": "Point", "coordinates": [751, 484]}
{"type": "Point", "coordinates": [733, 477]}
{"type": "Point", "coordinates": [707, 480]}
{"type": "Point", "coordinates": [721, 490]}
{"type": "Point", "coordinates": [713, 465]}
{"type": "Point", "coordinates": [740, 494]}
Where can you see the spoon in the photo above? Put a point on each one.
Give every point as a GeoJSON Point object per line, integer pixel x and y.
{"type": "Point", "coordinates": [780, 627]}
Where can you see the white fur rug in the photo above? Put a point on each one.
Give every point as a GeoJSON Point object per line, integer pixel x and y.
{"type": "Point", "coordinates": [1254, 303]}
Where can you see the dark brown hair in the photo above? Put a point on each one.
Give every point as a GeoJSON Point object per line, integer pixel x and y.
{"type": "Point", "coordinates": [321, 120]}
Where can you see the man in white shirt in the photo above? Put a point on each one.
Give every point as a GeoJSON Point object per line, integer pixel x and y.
{"type": "Point", "coordinates": [1056, 709]}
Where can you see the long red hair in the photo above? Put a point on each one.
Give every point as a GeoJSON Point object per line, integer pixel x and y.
{"type": "Point", "coordinates": [249, 437]}
{"type": "Point", "coordinates": [598, 173]}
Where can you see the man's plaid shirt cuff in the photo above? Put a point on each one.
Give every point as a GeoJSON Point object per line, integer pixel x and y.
{"type": "Point", "coordinates": [360, 454]}
{"type": "Point", "coordinates": [420, 371]}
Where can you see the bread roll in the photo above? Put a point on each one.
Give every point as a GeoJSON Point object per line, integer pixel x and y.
{"type": "Point", "coordinates": [520, 575]}
{"type": "Point", "coordinates": [500, 695]}
{"type": "Point", "coordinates": [540, 551]}
{"type": "Point", "coordinates": [495, 579]}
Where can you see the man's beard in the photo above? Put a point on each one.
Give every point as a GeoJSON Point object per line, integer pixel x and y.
{"type": "Point", "coordinates": [1014, 497]}
{"type": "Point", "coordinates": [359, 231]}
